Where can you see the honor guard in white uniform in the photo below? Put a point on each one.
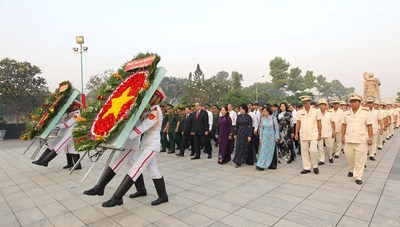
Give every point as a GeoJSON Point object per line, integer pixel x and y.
{"type": "Point", "coordinates": [328, 132]}
{"type": "Point", "coordinates": [337, 118]}
{"type": "Point", "coordinates": [140, 155]}
{"type": "Point", "coordinates": [63, 141]}
{"type": "Point", "coordinates": [377, 126]}
{"type": "Point", "coordinates": [356, 136]}
{"type": "Point", "coordinates": [309, 126]}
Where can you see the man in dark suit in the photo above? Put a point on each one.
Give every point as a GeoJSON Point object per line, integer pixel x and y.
{"type": "Point", "coordinates": [186, 132]}
{"type": "Point", "coordinates": [200, 130]}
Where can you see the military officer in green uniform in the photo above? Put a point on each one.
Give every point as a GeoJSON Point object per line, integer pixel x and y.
{"type": "Point", "coordinates": [172, 128]}
{"type": "Point", "coordinates": [164, 139]}
{"type": "Point", "coordinates": [181, 116]}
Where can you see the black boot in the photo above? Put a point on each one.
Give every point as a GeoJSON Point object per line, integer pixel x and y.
{"type": "Point", "coordinates": [70, 162]}
{"type": "Point", "coordinates": [76, 157]}
{"type": "Point", "coordinates": [161, 192]}
{"type": "Point", "coordinates": [116, 199]}
{"type": "Point", "coordinates": [140, 188]}
{"type": "Point", "coordinates": [45, 161]}
{"type": "Point", "coordinates": [98, 189]}
{"type": "Point", "coordinates": [45, 152]}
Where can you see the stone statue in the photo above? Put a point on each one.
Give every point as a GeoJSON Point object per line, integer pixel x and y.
{"type": "Point", "coordinates": [371, 86]}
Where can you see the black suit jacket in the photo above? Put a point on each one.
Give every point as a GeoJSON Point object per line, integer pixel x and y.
{"type": "Point", "coordinates": [187, 124]}
{"type": "Point", "coordinates": [200, 124]}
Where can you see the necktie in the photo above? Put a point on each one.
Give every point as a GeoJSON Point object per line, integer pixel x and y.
{"type": "Point", "coordinates": [197, 115]}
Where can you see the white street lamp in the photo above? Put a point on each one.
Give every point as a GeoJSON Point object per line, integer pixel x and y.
{"type": "Point", "coordinates": [80, 40]}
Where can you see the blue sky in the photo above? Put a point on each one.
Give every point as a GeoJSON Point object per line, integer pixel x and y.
{"type": "Point", "coordinates": [338, 39]}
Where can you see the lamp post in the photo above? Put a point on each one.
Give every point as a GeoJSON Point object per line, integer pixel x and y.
{"type": "Point", "coordinates": [82, 49]}
{"type": "Point", "coordinates": [257, 87]}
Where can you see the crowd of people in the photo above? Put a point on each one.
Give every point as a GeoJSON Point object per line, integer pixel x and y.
{"type": "Point", "coordinates": [265, 135]}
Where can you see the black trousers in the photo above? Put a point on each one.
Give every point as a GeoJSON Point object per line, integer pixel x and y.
{"type": "Point", "coordinates": [274, 162]}
{"type": "Point", "coordinates": [202, 140]}
{"type": "Point", "coordinates": [213, 137]}
{"type": "Point", "coordinates": [255, 140]}
{"type": "Point", "coordinates": [186, 140]}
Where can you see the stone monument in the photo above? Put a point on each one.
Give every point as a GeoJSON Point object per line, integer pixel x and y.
{"type": "Point", "coordinates": [371, 86]}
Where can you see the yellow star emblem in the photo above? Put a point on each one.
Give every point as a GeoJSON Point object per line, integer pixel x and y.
{"type": "Point", "coordinates": [117, 103]}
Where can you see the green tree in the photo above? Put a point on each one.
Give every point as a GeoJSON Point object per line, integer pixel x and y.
{"type": "Point", "coordinates": [323, 86]}
{"type": "Point", "coordinates": [222, 76]}
{"type": "Point", "coordinates": [236, 80]}
{"type": "Point", "coordinates": [236, 97]}
{"type": "Point", "coordinates": [295, 80]}
{"type": "Point", "coordinates": [198, 74]}
{"type": "Point", "coordinates": [278, 70]}
{"type": "Point", "coordinates": [337, 89]}
{"type": "Point", "coordinates": [398, 97]}
{"type": "Point", "coordinates": [174, 88]}
{"type": "Point", "coordinates": [96, 82]}
{"type": "Point", "coordinates": [266, 92]}
{"type": "Point", "coordinates": [215, 87]}
{"type": "Point", "coordinates": [21, 89]}
{"type": "Point", "coordinates": [309, 80]}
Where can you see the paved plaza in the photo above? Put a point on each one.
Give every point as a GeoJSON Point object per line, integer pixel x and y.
{"type": "Point", "coordinates": [202, 193]}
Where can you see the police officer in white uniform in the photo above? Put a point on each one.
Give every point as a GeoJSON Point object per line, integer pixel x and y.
{"type": "Point", "coordinates": [327, 132]}
{"type": "Point", "coordinates": [356, 136]}
{"type": "Point", "coordinates": [337, 118]}
{"type": "Point", "coordinates": [377, 126]}
{"type": "Point", "coordinates": [64, 140]}
{"type": "Point", "coordinates": [309, 126]}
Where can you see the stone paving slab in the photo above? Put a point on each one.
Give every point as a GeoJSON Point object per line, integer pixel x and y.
{"type": "Point", "coordinates": [202, 193]}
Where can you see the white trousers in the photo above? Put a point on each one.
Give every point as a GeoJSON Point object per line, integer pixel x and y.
{"type": "Point", "coordinates": [372, 148]}
{"type": "Point", "coordinates": [137, 159]}
{"type": "Point", "coordinates": [338, 144]}
{"type": "Point", "coordinates": [63, 142]}
{"type": "Point", "coordinates": [309, 154]}
{"type": "Point", "coordinates": [356, 155]}
{"type": "Point", "coordinates": [329, 148]}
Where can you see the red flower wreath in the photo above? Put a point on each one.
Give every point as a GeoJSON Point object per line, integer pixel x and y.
{"type": "Point", "coordinates": [118, 104]}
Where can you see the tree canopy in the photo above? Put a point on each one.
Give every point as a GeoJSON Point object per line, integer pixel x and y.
{"type": "Point", "coordinates": [287, 84]}
{"type": "Point", "coordinates": [21, 88]}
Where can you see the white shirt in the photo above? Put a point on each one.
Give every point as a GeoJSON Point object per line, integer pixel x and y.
{"type": "Point", "coordinates": [210, 119]}
{"type": "Point", "coordinates": [233, 116]}
{"type": "Point", "coordinates": [294, 116]}
{"type": "Point", "coordinates": [253, 120]}
{"type": "Point", "coordinates": [258, 118]}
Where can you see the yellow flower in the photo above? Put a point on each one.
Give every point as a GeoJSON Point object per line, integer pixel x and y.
{"type": "Point", "coordinates": [80, 119]}
{"type": "Point", "coordinates": [117, 75]}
